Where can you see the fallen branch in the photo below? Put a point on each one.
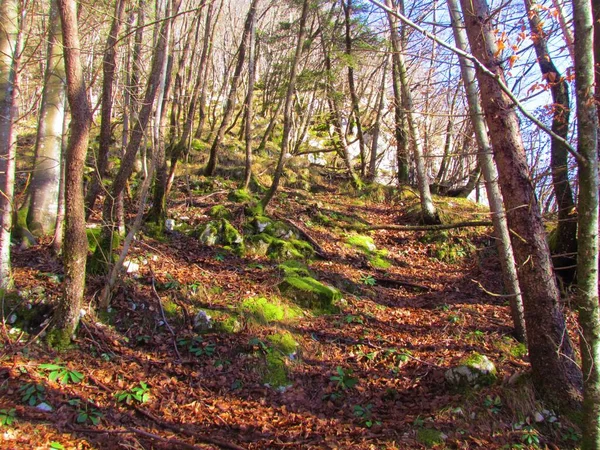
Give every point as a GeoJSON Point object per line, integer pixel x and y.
{"type": "Point", "coordinates": [449, 226]}
{"type": "Point", "coordinates": [307, 237]}
{"type": "Point", "coordinates": [391, 281]}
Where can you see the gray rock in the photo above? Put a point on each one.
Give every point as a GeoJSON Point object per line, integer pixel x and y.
{"type": "Point", "coordinates": [44, 407]}
{"type": "Point", "coordinates": [476, 370]}
{"type": "Point", "coordinates": [209, 235]}
{"type": "Point", "coordinates": [202, 322]}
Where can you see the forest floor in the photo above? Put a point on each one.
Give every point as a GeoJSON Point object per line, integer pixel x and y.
{"type": "Point", "coordinates": [368, 375]}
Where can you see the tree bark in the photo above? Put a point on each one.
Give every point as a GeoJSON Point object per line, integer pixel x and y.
{"type": "Point", "coordinates": [587, 255]}
{"type": "Point", "coordinates": [45, 180]}
{"type": "Point", "coordinates": [372, 175]}
{"type": "Point", "coordinates": [66, 316]}
{"type": "Point", "coordinates": [9, 31]}
{"type": "Point", "coordinates": [211, 165]}
{"type": "Point", "coordinates": [249, 106]}
{"type": "Point", "coordinates": [550, 349]}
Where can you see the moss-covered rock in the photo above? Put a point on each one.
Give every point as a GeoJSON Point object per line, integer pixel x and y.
{"type": "Point", "coordinates": [364, 243]}
{"type": "Point", "coordinates": [475, 370]}
{"type": "Point", "coordinates": [310, 293]}
{"type": "Point", "coordinates": [258, 245]}
{"type": "Point", "coordinates": [240, 196]}
{"type": "Point", "coordinates": [263, 310]}
{"type": "Point", "coordinates": [219, 212]}
{"type": "Point", "coordinates": [284, 342]}
{"type": "Point", "coordinates": [429, 437]}
{"type": "Point", "coordinates": [294, 267]}
{"type": "Point", "coordinates": [275, 373]}
{"type": "Point", "coordinates": [222, 232]}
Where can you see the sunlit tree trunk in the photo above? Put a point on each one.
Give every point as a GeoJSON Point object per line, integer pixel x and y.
{"type": "Point", "coordinates": [587, 255]}
{"type": "Point", "coordinates": [550, 350]}
{"type": "Point", "coordinates": [249, 104]}
{"type": "Point", "coordinates": [211, 165]}
{"type": "Point", "coordinates": [428, 210]}
{"type": "Point", "coordinates": [287, 109]}
{"type": "Point", "coordinates": [66, 316]}
{"type": "Point", "coordinates": [9, 31]}
{"type": "Point", "coordinates": [372, 175]}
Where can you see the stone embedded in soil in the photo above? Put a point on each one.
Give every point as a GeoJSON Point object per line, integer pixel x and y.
{"type": "Point", "coordinates": [475, 370]}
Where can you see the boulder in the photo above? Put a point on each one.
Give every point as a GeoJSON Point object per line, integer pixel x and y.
{"type": "Point", "coordinates": [476, 370]}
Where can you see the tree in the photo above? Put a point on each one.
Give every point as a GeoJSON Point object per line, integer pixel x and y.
{"type": "Point", "coordinates": [429, 214]}
{"type": "Point", "coordinates": [587, 251]}
{"type": "Point", "coordinates": [287, 110]}
{"type": "Point", "coordinates": [490, 174]}
{"type": "Point", "coordinates": [550, 349]}
{"type": "Point", "coordinates": [66, 316]}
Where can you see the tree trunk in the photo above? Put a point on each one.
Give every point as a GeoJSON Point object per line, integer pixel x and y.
{"type": "Point", "coordinates": [9, 18]}
{"type": "Point", "coordinates": [428, 211]}
{"type": "Point", "coordinates": [565, 242]}
{"type": "Point", "coordinates": [108, 69]}
{"type": "Point", "coordinates": [231, 98]}
{"type": "Point", "coordinates": [587, 255]}
{"type": "Point", "coordinates": [45, 180]}
{"type": "Point", "coordinates": [372, 175]}
{"type": "Point", "coordinates": [347, 5]}
{"type": "Point", "coordinates": [550, 349]}
{"type": "Point", "coordinates": [249, 106]}
{"type": "Point", "coordinates": [287, 109]}
{"type": "Point", "coordinates": [66, 316]}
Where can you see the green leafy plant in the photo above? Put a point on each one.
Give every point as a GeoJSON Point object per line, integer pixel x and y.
{"type": "Point", "coordinates": [530, 436]}
{"type": "Point", "coordinates": [86, 412]}
{"type": "Point", "coordinates": [139, 394]}
{"type": "Point", "coordinates": [354, 319]}
{"type": "Point", "coordinates": [171, 283]}
{"type": "Point", "coordinates": [194, 286]}
{"type": "Point", "coordinates": [32, 393]}
{"type": "Point", "coordinates": [197, 347]}
{"type": "Point", "coordinates": [7, 417]}
{"type": "Point", "coordinates": [56, 372]}
{"type": "Point", "coordinates": [369, 280]}
{"type": "Point", "coordinates": [493, 404]}
{"type": "Point", "coordinates": [344, 379]}
{"type": "Point", "coordinates": [56, 445]}
{"type": "Point", "coordinates": [365, 415]}
{"type": "Point", "coordinates": [220, 257]}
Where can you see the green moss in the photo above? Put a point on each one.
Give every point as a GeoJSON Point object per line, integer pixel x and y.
{"type": "Point", "coordinates": [221, 232]}
{"type": "Point", "coordinates": [276, 374]}
{"type": "Point", "coordinates": [58, 339]}
{"type": "Point", "coordinates": [254, 209]}
{"type": "Point", "coordinates": [308, 292]}
{"type": "Point", "coordinates": [171, 309]}
{"type": "Point", "coordinates": [93, 237]}
{"type": "Point", "coordinates": [429, 437]}
{"type": "Point", "coordinates": [283, 342]}
{"type": "Point", "coordinates": [224, 321]}
{"type": "Point", "coordinates": [155, 230]}
{"type": "Point", "coordinates": [377, 261]}
{"type": "Point", "coordinates": [219, 212]}
{"type": "Point", "coordinates": [293, 267]}
{"type": "Point", "coordinates": [364, 243]}
{"type": "Point", "coordinates": [264, 310]}
{"type": "Point", "coordinates": [240, 196]}
{"type": "Point", "coordinates": [105, 254]}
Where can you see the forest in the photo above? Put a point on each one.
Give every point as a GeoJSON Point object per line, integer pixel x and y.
{"type": "Point", "coordinates": [249, 224]}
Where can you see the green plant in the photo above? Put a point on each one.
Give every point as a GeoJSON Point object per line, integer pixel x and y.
{"type": "Point", "coordinates": [32, 393]}
{"type": "Point", "coordinates": [138, 394]}
{"type": "Point", "coordinates": [493, 404]}
{"type": "Point", "coordinates": [344, 379]}
{"type": "Point", "coordinates": [354, 319]}
{"type": "Point", "coordinates": [7, 417]}
{"type": "Point", "coordinates": [196, 346]}
{"type": "Point", "coordinates": [369, 280]}
{"type": "Point", "coordinates": [61, 374]}
{"type": "Point", "coordinates": [570, 434]}
{"type": "Point", "coordinates": [56, 445]}
{"type": "Point", "coordinates": [86, 412]}
{"type": "Point", "coordinates": [171, 283]}
{"type": "Point", "coordinates": [530, 436]}
{"type": "Point", "coordinates": [365, 415]}
{"type": "Point", "coordinates": [220, 257]}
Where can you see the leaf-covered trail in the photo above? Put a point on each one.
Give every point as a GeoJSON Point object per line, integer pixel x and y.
{"type": "Point", "coordinates": [370, 375]}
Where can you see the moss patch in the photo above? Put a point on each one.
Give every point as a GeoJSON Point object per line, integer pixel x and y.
{"type": "Point", "coordinates": [364, 243]}
{"type": "Point", "coordinates": [219, 212]}
{"type": "Point", "coordinates": [429, 437]}
{"type": "Point", "coordinates": [294, 267]}
{"type": "Point", "coordinates": [284, 342]}
{"type": "Point", "coordinates": [263, 310]}
{"type": "Point", "coordinates": [240, 196]}
{"type": "Point", "coordinates": [310, 293]}
{"type": "Point", "coordinates": [275, 374]}
{"type": "Point", "coordinates": [222, 232]}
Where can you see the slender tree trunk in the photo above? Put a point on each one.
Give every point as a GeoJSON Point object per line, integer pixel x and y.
{"type": "Point", "coordinates": [108, 80]}
{"type": "Point", "coordinates": [372, 175]}
{"type": "Point", "coordinates": [9, 31]}
{"type": "Point", "coordinates": [565, 244]}
{"type": "Point", "coordinates": [249, 106]}
{"type": "Point", "coordinates": [44, 187]}
{"type": "Point", "coordinates": [550, 349]}
{"type": "Point", "coordinates": [287, 110]}
{"type": "Point", "coordinates": [231, 98]}
{"type": "Point", "coordinates": [66, 316]}
{"type": "Point", "coordinates": [347, 5]}
{"type": "Point", "coordinates": [428, 210]}
{"type": "Point", "coordinates": [587, 257]}
{"type": "Point", "coordinates": [59, 231]}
